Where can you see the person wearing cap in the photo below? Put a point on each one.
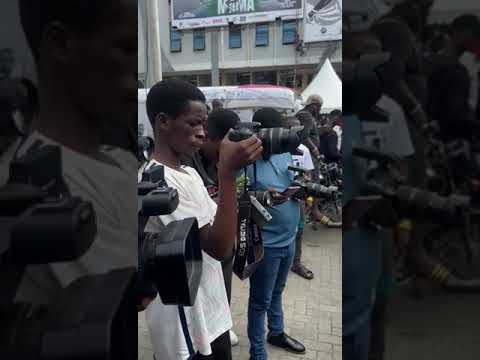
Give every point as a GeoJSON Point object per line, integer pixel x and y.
{"type": "Point", "coordinates": [314, 106]}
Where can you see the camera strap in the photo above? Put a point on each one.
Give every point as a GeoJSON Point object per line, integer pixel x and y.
{"type": "Point", "coordinates": [186, 333]}
{"type": "Point", "coordinates": [249, 251]}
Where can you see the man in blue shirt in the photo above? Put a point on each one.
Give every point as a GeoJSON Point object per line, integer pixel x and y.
{"type": "Point", "coordinates": [268, 281]}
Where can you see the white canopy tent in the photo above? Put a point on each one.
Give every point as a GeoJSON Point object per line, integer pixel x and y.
{"type": "Point", "coordinates": [328, 85]}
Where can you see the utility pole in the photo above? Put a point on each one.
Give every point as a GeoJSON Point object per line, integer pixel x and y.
{"type": "Point", "coordinates": [154, 49]}
{"type": "Point", "coordinates": [215, 56]}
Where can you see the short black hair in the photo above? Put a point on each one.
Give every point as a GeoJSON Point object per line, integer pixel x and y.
{"type": "Point", "coordinates": [35, 15]}
{"type": "Point", "coordinates": [466, 22]}
{"type": "Point", "coordinates": [268, 118]}
{"type": "Point", "coordinates": [171, 97]}
{"type": "Point", "coordinates": [336, 112]}
{"type": "Point", "coordinates": [220, 122]}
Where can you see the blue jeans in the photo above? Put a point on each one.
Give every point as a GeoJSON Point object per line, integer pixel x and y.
{"type": "Point", "coordinates": [266, 288]}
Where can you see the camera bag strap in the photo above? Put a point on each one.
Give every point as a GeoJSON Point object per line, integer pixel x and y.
{"type": "Point", "coordinates": [243, 235]}
{"type": "Point", "coordinates": [186, 333]}
{"type": "Point", "coordinates": [249, 251]}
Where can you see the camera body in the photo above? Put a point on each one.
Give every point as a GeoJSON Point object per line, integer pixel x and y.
{"type": "Point", "coordinates": [43, 224]}
{"type": "Point", "coordinates": [170, 261]}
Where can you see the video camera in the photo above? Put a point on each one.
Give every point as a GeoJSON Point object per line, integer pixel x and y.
{"type": "Point", "coordinates": [170, 261]}
{"type": "Point", "coordinates": [42, 224]}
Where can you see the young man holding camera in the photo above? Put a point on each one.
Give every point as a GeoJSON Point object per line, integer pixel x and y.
{"type": "Point", "coordinates": [268, 281]}
{"type": "Point", "coordinates": [86, 82]}
{"type": "Point", "coordinates": [205, 162]}
{"type": "Point", "coordinates": [177, 112]}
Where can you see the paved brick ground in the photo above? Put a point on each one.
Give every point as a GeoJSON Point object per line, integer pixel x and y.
{"type": "Point", "coordinates": [312, 308]}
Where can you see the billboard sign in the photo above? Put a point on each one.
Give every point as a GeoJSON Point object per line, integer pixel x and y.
{"type": "Point", "coordinates": [323, 20]}
{"type": "Point", "coordinates": [188, 14]}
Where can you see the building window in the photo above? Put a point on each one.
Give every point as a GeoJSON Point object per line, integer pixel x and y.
{"type": "Point", "coordinates": [205, 80]}
{"type": "Point", "coordinates": [265, 78]}
{"type": "Point", "coordinates": [243, 78]}
{"type": "Point", "coordinates": [261, 35]}
{"type": "Point", "coordinates": [289, 32]}
{"type": "Point", "coordinates": [199, 40]}
{"type": "Point", "coordinates": [287, 78]}
{"type": "Point", "coordinates": [235, 37]}
{"type": "Point", "coordinates": [175, 40]}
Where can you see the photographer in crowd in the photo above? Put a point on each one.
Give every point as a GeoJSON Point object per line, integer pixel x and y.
{"type": "Point", "coordinates": [84, 83]}
{"type": "Point", "coordinates": [268, 281]}
{"type": "Point", "coordinates": [178, 113]}
{"type": "Point", "coordinates": [367, 251]}
{"type": "Point", "coordinates": [205, 162]}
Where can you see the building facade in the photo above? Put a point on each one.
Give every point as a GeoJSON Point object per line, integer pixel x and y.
{"type": "Point", "coordinates": [259, 53]}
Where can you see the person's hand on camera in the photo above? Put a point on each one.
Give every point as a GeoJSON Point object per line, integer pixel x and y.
{"type": "Point", "coordinates": [277, 198]}
{"type": "Point", "coordinates": [236, 155]}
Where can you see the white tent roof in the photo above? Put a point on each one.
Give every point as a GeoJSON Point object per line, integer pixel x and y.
{"type": "Point", "coordinates": [328, 85]}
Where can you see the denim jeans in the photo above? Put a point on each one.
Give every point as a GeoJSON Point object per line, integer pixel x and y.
{"type": "Point", "coordinates": [266, 288]}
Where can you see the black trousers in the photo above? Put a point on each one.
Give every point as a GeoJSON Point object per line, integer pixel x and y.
{"type": "Point", "coordinates": [221, 349]}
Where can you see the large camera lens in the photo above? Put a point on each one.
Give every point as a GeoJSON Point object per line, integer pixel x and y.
{"type": "Point", "coordinates": [280, 140]}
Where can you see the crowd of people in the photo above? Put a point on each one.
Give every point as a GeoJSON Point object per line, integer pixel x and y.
{"type": "Point", "coordinates": [203, 164]}
{"type": "Point", "coordinates": [424, 99]}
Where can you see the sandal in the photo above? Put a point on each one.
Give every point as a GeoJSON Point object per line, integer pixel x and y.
{"type": "Point", "coordinates": [302, 271]}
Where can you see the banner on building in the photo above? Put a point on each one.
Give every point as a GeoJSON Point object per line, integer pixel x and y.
{"type": "Point", "coordinates": [323, 20]}
{"type": "Point", "coordinates": [188, 14]}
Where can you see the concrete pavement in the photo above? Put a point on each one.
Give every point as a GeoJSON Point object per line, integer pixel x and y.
{"type": "Point", "coordinates": [312, 308]}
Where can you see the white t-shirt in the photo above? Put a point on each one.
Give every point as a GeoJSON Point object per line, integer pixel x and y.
{"type": "Point", "coordinates": [305, 160]}
{"type": "Point", "coordinates": [210, 316]}
{"type": "Point", "coordinates": [106, 187]}
{"type": "Point", "coordinates": [392, 136]}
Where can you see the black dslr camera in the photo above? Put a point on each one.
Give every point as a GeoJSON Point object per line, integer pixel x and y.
{"type": "Point", "coordinates": [311, 188]}
{"type": "Point", "coordinates": [274, 140]}
{"type": "Point", "coordinates": [42, 224]}
{"type": "Point", "coordinates": [170, 261]}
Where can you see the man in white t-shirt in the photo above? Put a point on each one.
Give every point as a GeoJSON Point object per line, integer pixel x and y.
{"type": "Point", "coordinates": [178, 114]}
{"type": "Point", "coordinates": [85, 83]}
